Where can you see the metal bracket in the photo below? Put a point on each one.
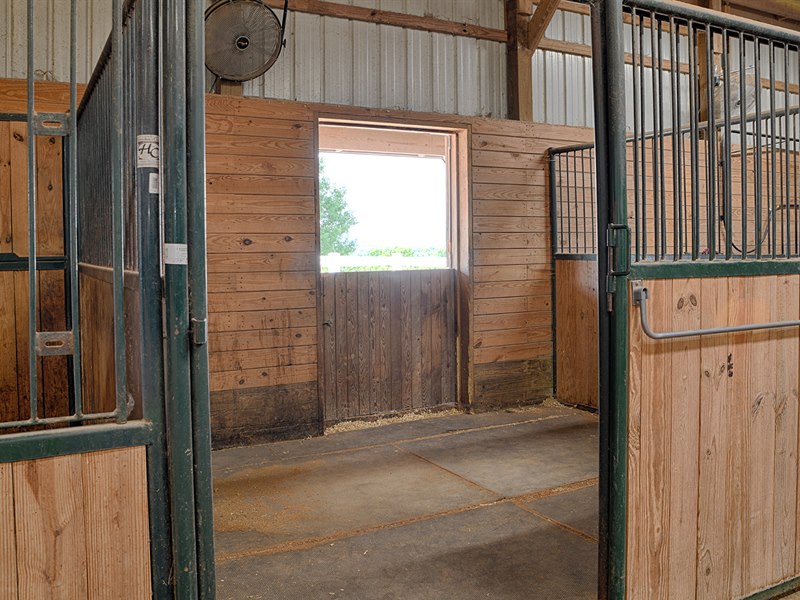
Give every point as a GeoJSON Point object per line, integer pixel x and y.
{"type": "Point", "coordinates": [199, 332]}
{"type": "Point", "coordinates": [58, 124]}
{"type": "Point", "coordinates": [55, 343]}
{"type": "Point", "coordinates": [617, 237]}
{"type": "Point", "coordinates": [640, 296]}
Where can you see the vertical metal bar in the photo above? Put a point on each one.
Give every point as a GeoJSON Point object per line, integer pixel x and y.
{"type": "Point", "coordinates": [677, 175]}
{"type": "Point", "coordinates": [772, 158]}
{"type": "Point", "coordinates": [33, 299]}
{"type": "Point", "coordinates": [565, 175]}
{"type": "Point", "coordinates": [198, 302]}
{"type": "Point", "coordinates": [757, 174]}
{"type": "Point", "coordinates": [636, 109]}
{"type": "Point", "coordinates": [583, 200]}
{"type": "Point", "coordinates": [657, 180]}
{"type": "Point", "coordinates": [743, 137]}
{"type": "Point", "coordinates": [551, 165]}
{"type": "Point", "coordinates": [728, 151]}
{"type": "Point", "coordinates": [178, 391]}
{"type": "Point", "coordinates": [592, 201]}
{"type": "Point", "coordinates": [660, 132]}
{"type": "Point", "coordinates": [560, 207]}
{"type": "Point", "coordinates": [787, 173]}
{"type": "Point", "coordinates": [711, 148]}
{"type": "Point", "coordinates": [118, 222]}
{"type": "Point", "coordinates": [609, 92]}
{"type": "Point", "coordinates": [642, 200]}
{"type": "Point", "coordinates": [694, 141]}
{"type": "Point", "coordinates": [72, 213]}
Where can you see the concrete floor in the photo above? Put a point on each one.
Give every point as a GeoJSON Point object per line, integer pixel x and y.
{"type": "Point", "coordinates": [500, 505]}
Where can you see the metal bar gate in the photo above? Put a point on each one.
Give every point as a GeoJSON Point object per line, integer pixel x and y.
{"type": "Point", "coordinates": [698, 247]}
{"type": "Point", "coordinates": [133, 250]}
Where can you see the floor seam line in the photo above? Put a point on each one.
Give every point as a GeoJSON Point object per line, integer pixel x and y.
{"type": "Point", "coordinates": [315, 542]}
{"type": "Point", "coordinates": [568, 528]}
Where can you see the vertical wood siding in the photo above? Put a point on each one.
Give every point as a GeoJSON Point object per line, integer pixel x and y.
{"type": "Point", "coordinates": [713, 441]}
{"type": "Point", "coordinates": [388, 342]}
{"type": "Point", "coordinates": [75, 527]}
{"type": "Point", "coordinates": [577, 338]}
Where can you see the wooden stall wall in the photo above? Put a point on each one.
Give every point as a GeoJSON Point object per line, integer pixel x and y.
{"type": "Point", "coordinates": [264, 273]}
{"type": "Point", "coordinates": [577, 338]}
{"type": "Point", "coordinates": [713, 441]}
{"type": "Point", "coordinates": [513, 345]}
{"type": "Point", "coordinates": [262, 269]}
{"type": "Point", "coordinates": [75, 527]}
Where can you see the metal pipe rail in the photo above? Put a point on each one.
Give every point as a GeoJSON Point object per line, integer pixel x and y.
{"type": "Point", "coordinates": [640, 296]}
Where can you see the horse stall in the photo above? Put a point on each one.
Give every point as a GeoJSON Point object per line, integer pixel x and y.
{"type": "Point", "coordinates": [85, 470]}
{"type": "Point", "coordinates": [293, 349]}
{"type": "Point", "coordinates": [699, 299]}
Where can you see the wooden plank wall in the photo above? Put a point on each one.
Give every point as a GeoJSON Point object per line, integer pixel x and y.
{"type": "Point", "coordinates": [263, 268]}
{"type": "Point", "coordinates": [75, 527]}
{"type": "Point", "coordinates": [577, 339]}
{"type": "Point", "coordinates": [51, 314]}
{"type": "Point", "coordinates": [512, 259]}
{"type": "Point", "coordinates": [713, 441]}
{"type": "Point", "coordinates": [388, 342]}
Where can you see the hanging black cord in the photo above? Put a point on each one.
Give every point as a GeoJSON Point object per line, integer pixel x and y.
{"type": "Point", "coordinates": [283, 23]}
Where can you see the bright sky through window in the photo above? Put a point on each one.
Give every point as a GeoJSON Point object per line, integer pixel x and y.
{"type": "Point", "coordinates": [397, 200]}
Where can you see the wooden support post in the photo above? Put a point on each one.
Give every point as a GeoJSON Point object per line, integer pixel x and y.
{"type": "Point", "coordinates": [226, 87]}
{"type": "Point", "coordinates": [525, 30]}
{"type": "Point", "coordinates": [518, 61]}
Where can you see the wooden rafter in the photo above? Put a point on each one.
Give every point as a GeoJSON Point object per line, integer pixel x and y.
{"type": "Point", "coordinates": [539, 23]}
{"type": "Point", "coordinates": [386, 17]}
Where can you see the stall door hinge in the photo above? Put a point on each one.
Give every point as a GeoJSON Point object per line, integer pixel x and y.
{"type": "Point", "coordinates": [618, 242]}
{"type": "Point", "coordinates": [199, 332]}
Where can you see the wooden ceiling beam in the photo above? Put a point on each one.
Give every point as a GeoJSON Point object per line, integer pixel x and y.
{"type": "Point", "coordinates": [539, 23]}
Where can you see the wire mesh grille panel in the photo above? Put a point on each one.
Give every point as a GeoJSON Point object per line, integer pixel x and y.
{"type": "Point", "coordinates": [573, 200]}
{"type": "Point", "coordinates": [712, 162]}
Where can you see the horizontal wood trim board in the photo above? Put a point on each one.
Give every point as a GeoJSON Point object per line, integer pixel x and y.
{"type": "Point", "coordinates": [229, 204]}
{"type": "Point", "coordinates": [397, 19]}
{"type": "Point", "coordinates": [241, 360]}
{"type": "Point", "coordinates": [238, 262]}
{"type": "Point", "coordinates": [261, 377]}
{"type": "Point", "coordinates": [257, 320]}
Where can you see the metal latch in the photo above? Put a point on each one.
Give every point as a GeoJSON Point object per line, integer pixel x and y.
{"type": "Point", "coordinates": [199, 332]}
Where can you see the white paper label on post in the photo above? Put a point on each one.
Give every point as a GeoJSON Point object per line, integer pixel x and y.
{"type": "Point", "coordinates": [154, 187]}
{"type": "Point", "coordinates": [176, 254]}
{"type": "Point", "coordinates": [147, 151]}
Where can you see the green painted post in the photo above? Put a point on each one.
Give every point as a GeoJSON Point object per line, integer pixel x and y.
{"type": "Point", "coordinates": [610, 135]}
{"type": "Point", "coordinates": [178, 378]}
{"type": "Point", "coordinates": [198, 301]}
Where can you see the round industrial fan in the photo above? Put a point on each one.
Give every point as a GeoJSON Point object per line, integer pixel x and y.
{"type": "Point", "coordinates": [243, 38]}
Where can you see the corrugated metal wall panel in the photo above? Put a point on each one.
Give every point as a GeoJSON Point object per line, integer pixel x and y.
{"type": "Point", "coordinates": [379, 66]}
{"type": "Point", "coordinates": [562, 83]}
{"type": "Point", "coordinates": [52, 39]}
